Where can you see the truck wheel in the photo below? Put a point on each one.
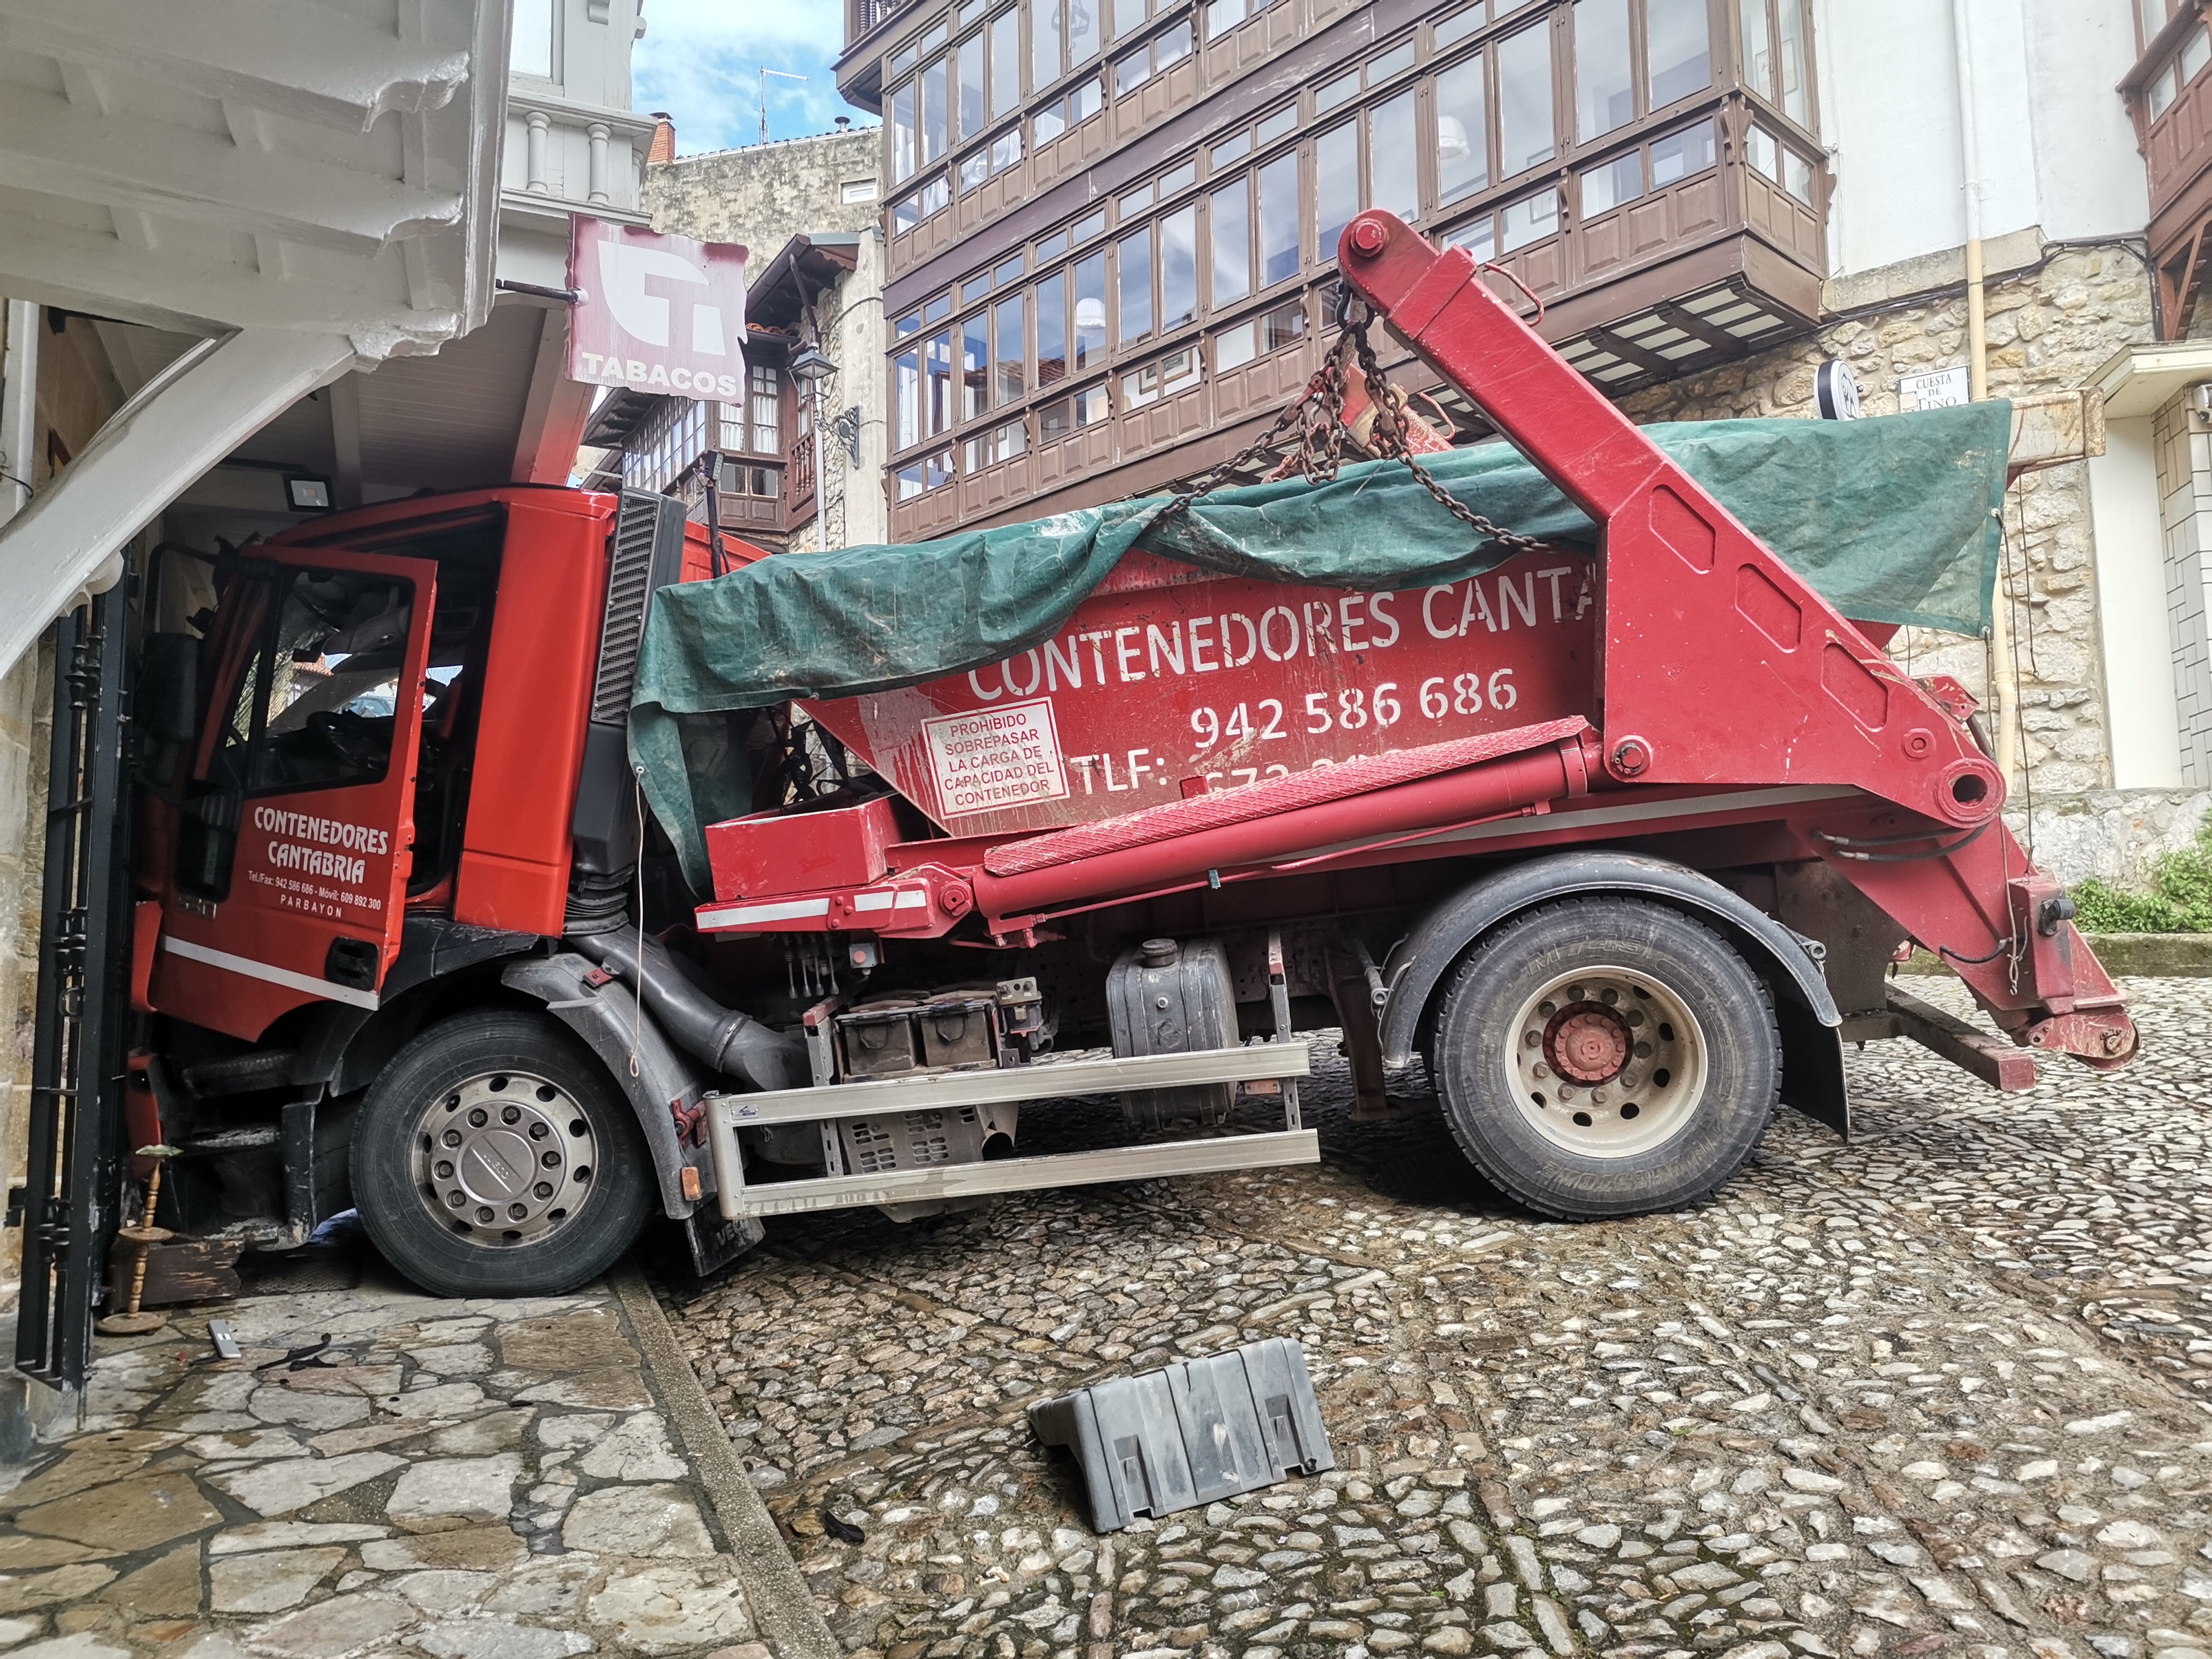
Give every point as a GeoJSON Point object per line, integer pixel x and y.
{"type": "Point", "coordinates": [494, 1157]}
{"type": "Point", "coordinates": [1606, 1057]}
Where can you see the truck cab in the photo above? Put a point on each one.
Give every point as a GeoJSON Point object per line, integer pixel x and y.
{"type": "Point", "coordinates": [387, 760]}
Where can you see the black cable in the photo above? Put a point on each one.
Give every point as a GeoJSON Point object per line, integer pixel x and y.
{"type": "Point", "coordinates": [1843, 844]}
{"type": "Point", "coordinates": [1949, 955]}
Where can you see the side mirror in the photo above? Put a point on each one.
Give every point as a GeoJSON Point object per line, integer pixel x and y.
{"type": "Point", "coordinates": [166, 703]}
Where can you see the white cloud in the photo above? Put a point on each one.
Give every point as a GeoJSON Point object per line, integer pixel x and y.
{"type": "Point", "coordinates": [700, 61]}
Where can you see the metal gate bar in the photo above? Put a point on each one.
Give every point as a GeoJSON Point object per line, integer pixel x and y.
{"type": "Point", "coordinates": [71, 1189]}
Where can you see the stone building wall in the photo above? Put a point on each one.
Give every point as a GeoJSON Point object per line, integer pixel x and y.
{"type": "Point", "coordinates": [2056, 314]}
{"type": "Point", "coordinates": [764, 194]}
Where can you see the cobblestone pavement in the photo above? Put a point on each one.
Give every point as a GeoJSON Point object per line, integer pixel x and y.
{"type": "Point", "coordinates": [1945, 1390]}
{"type": "Point", "coordinates": [454, 1479]}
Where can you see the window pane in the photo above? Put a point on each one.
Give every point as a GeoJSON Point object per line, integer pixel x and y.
{"type": "Point", "coordinates": [1091, 406]}
{"type": "Point", "coordinates": [1397, 184]}
{"type": "Point", "coordinates": [1127, 15]}
{"type": "Point", "coordinates": [1607, 187]}
{"type": "Point", "coordinates": [1087, 227]}
{"type": "Point", "coordinates": [767, 409]}
{"type": "Point", "coordinates": [910, 482]}
{"type": "Point", "coordinates": [1083, 41]}
{"type": "Point", "coordinates": [1134, 202]}
{"type": "Point", "coordinates": [1005, 63]}
{"type": "Point", "coordinates": [1133, 71]}
{"type": "Point", "coordinates": [1344, 87]}
{"type": "Point", "coordinates": [1604, 97]}
{"type": "Point", "coordinates": [2161, 92]}
{"type": "Point", "coordinates": [970, 58]}
{"type": "Point", "coordinates": [936, 196]}
{"type": "Point", "coordinates": [1462, 132]}
{"type": "Point", "coordinates": [1176, 177]}
{"type": "Point", "coordinates": [1005, 150]}
{"type": "Point", "coordinates": [530, 52]}
{"type": "Point", "coordinates": [1283, 325]}
{"type": "Point", "coordinates": [1050, 126]}
{"type": "Point", "coordinates": [1135, 278]}
{"type": "Point", "coordinates": [1232, 243]}
{"type": "Point", "coordinates": [1757, 51]}
{"type": "Point", "coordinates": [974, 169]}
{"type": "Point", "coordinates": [1797, 176]}
{"type": "Point", "coordinates": [937, 470]}
{"type": "Point", "coordinates": [1524, 100]}
{"type": "Point", "coordinates": [1479, 239]}
{"type": "Point", "coordinates": [975, 366]}
{"type": "Point", "coordinates": [1530, 220]}
{"type": "Point", "coordinates": [1010, 440]}
{"type": "Point", "coordinates": [1278, 220]}
{"type": "Point", "coordinates": [1173, 46]}
{"type": "Point", "coordinates": [1766, 153]}
{"type": "Point", "coordinates": [1223, 15]}
{"type": "Point", "coordinates": [1051, 330]}
{"type": "Point", "coordinates": [1179, 268]}
{"type": "Point", "coordinates": [2195, 51]}
{"type": "Point", "coordinates": [1336, 186]}
{"type": "Point", "coordinates": [932, 112]}
{"type": "Point", "coordinates": [1086, 102]}
{"type": "Point", "coordinates": [937, 389]}
{"type": "Point", "coordinates": [1679, 154]}
{"type": "Point", "coordinates": [1006, 324]}
{"type": "Point", "coordinates": [1459, 26]}
{"type": "Point", "coordinates": [1679, 53]}
{"type": "Point", "coordinates": [1395, 61]}
{"type": "Point", "coordinates": [1234, 348]}
{"type": "Point", "coordinates": [1089, 276]}
{"type": "Point", "coordinates": [905, 394]}
{"type": "Point", "coordinates": [903, 161]}
{"type": "Point", "coordinates": [1797, 103]}
{"type": "Point", "coordinates": [1044, 43]}
{"type": "Point", "coordinates": [1275, 125]}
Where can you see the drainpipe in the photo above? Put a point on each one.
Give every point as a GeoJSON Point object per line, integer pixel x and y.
{"type": "Point", "coordinates": [2004, 684]}
{"type": "Point", "coordinates": [18, 405]}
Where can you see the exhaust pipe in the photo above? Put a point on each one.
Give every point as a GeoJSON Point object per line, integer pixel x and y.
{"type": "Point", "coordinates": [731, 1042]}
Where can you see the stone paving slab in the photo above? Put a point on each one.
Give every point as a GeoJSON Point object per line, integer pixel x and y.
{"type": "Point", "coordinates": [1947, 1389]}
{"type": "Point", "coordinates": [481, 1480]}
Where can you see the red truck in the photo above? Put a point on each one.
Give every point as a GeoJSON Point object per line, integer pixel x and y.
{"type": "Point", "coordinates": [1625, 861]}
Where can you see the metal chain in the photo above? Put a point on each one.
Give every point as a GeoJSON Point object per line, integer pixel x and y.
{"type": "Point", "coordinates": [1318, 419]}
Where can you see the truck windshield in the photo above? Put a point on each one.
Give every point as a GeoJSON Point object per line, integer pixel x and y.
{"type": "Point", "coordinates": [314, 709]}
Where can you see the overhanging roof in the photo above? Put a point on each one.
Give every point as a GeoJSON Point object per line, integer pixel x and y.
{"type": "Point", "coordinates": [272, 164]}
{"type": "Point", "coordinates": [2142, 379]}
{"type": "Point", "coordinates": [816, 259]}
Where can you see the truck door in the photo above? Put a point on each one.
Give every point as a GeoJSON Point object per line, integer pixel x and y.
{"type": "Point", "coordinates": [296, 826]}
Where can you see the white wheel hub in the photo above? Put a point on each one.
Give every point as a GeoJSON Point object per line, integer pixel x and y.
{"type": "Point", "coordinates": [1607, 1062]}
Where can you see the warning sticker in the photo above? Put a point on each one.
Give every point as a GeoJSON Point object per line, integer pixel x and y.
{"type": "Point", "coordinates": [996, 758]}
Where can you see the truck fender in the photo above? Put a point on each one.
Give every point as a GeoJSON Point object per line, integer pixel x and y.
{"type": "Point", "coordinates": [605, 1016]}
{"type": "Point", "coordinates": [1812, 1043]}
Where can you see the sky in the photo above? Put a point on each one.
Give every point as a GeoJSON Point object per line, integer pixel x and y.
{"type": "Point", "coordinates": [700, 61]}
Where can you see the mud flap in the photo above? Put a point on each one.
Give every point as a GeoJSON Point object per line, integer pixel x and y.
{"type": "Point", "coordinates": [1813, 1066]}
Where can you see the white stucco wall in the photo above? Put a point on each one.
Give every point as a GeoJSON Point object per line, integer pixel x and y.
{"type": "Point", "coordinates": [2056, 150]}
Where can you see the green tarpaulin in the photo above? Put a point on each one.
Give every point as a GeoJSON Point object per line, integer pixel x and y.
{"type": "Point", "coordinates": [1891, 520]}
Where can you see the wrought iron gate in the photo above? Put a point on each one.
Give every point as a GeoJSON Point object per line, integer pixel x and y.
{"type": "Point", "coordinates": [71, 1196]}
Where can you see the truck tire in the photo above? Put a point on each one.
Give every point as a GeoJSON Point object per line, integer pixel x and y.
{"type": "Point", "coordinates": [1606, 1057]}
{"type": "Point", "coordinates": [495, 1157]}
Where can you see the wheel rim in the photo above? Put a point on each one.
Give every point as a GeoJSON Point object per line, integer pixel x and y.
{"type": "Point", "coordinates": [504, 1157]}
{"type": "Point", "coordinates": [1607, 1062]}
